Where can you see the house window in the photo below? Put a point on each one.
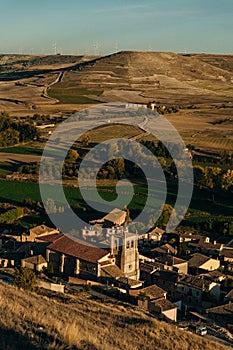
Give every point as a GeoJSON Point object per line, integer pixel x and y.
{"type": "Point", "coordinates": [127, 245]}
{"type": "Point", "coordinates": [132, 244]}
{"type": "Point", "coordinates": [130, 266]}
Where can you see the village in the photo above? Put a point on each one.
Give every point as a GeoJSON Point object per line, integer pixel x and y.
{"type": "Point", "coordinates": [183, 278]}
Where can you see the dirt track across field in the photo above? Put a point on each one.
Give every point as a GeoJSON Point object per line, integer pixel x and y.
{"type": "Point", "coordinates": [15, 158]}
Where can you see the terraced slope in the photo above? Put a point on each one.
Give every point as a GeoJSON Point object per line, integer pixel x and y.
{"type": "Point", "coordinates": [142, 76]}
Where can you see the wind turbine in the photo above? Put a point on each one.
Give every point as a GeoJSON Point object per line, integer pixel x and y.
{"type": "Point", "coordinates": [116, 46]}
{"type": "Point", "coordinates": [54, 48]}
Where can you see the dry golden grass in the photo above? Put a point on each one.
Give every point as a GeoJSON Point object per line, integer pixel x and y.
{"type": "Point", "coordinates": [32, 321]}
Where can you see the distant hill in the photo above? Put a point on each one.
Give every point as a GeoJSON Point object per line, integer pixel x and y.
{"type": "Point", "coordinates": [143, 76]}
{"type": "Point", "coordinates": [54, 84]}
{"type": "Point", "coordinates": [32, 322]}
{"type": "Point", "coordinates": [22, 62]}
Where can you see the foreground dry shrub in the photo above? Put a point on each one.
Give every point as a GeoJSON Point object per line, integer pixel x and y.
{"type": "Point", "coordinates": [32, 321]}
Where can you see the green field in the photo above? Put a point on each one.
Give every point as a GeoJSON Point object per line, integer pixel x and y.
{"type": "Point", "coordinates": [16, 192]}
{"type": "Point", "coordinates": [74, 95]}
{"type": "Point", "coordinates": [22, 150]}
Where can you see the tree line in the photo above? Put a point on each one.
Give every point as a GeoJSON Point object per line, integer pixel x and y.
{"type": "Point", "coordinates": [13, 132]}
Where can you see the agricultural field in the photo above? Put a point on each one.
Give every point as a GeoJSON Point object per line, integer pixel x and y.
{"type": "Point", "coordinates": [62, 85]}
{"type": "Point", "coordinates": [16, 192]}
{"type": "Point", "coordinates": [74, 95]}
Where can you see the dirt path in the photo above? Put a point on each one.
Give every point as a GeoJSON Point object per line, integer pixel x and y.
{"type": "Point", "coordinates": [15, 158]}
{"type": "Point", "coordinates": [56, 81]}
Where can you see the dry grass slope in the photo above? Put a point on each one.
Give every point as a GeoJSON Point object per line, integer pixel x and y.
{"type": "Point", "coordinates": [29, 321]}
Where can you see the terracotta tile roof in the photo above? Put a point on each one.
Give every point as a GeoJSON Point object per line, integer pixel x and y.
{"type": "Point", "coordinates": [166, 248]}
{"type": "Point", "coordinates": [195, 282]}
{"type": "Point", "coordinates": [226, 310]}
{"type": "Point", "coordinates": [78, 249]}
{"type": "Point", "coordinates": [36, 260]}
{"type": "Point", "coordinates": [165, 304]}
{"type": "Point", "coordinates": [197, 260]}
{"type": "Point", "coordinates": [207, 246]}
{"type": "Point", "coordinates": [228, 253]}
{"type": "Point", "coordinates": [129, 281]}
{"type": "Point", "coordinates": [214, 275]}
{"type": "Point", "coordinates": [112, 271]}
{"type": "Point", "coordinates": [170, 260]}
{"type": "Point", "coordinates": [166, 275]}
{"type": "Point", "coordinates": [150, 267]}
{"type": "Point", "coordinates": [153, 292]}
{"type": "Point", "coordinates": [50, 238]}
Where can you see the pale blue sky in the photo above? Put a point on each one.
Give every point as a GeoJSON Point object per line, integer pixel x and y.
{"type": "Point", "coordinates": [76, 26]}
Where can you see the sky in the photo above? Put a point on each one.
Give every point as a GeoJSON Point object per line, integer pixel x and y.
{"type": "Point", "coordinates": [106, 26]}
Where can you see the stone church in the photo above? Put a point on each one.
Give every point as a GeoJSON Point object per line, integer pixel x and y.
{"type": "Point", "coordinates": [119, 259]}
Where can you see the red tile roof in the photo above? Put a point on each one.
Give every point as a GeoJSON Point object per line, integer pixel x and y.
{"type": "Point", "coordinates": [113, 271]}
{"type": "Point", "coordinates": [78, 249]}
{"type": "Point", "coordinates": [198, 260]}
{"type": "Point", "coordinates": [165, 304]}
{"type": "Point", "coordinates": [153, 292]}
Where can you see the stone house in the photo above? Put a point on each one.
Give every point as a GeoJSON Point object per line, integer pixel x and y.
{"type": "Point", "coordinates": [222, 314]}
{"type": "Point", "coordinates": [201, 244]}
{"type": "Point", "coordinates": [156, 234]}
{"type": "Point", "coordinates": [36, 263]}
{"type": "Point", "coordinates": [165, 279]}
{"type": "Point", "coordinates": [91, 233]}
{"type": "Point", "coordinates": [199, 263]}
{"type": "Point", "coordinates": [154, 299]}
{"type": "Point", "coordinates": [40, 231]}
{"type": "Point", "coordinates": [193, 290]}
{"type": "Point", "coordinates": [227, 255]}
{"type": "Point", "coordinates": [172, 263]}
{"type": "Point", "coordinates": [115, 218]}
